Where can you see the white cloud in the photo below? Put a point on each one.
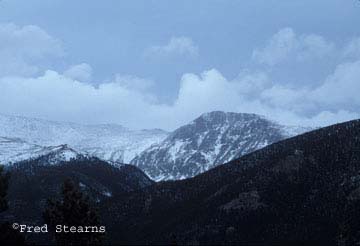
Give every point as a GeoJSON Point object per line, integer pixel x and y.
{"type": "Point", "coordinates": [286, 44]}
{"type": "Point", "coordinates": [23, 48]}
{"type": "Point", "coordinates": [182, 46]}
{"type": "Point", "coordinates": [58, 97]}
{"type": "Point", "coordinates": [133, 82]}
{"type": "Point", "coordinates": [81, 72]}
{"type": "Point", "coordinates": [341, 89]}
{"type": "Point", "coordinates": [314, 46]}
{"type": "Point", "coordinates": [127, 99]}
{"type": "Point", "coordinates": [352, 49]}
{"type": "Point", "coordinates": [278, 47]}
{"type": "Point", "coordinates": [212, 91]}
{"type": "Point", "coordinates": [325, 118]}
{"type": "Point", "coordinates": [55, 96]}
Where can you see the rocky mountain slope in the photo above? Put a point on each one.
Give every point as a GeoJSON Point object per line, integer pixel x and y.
{"type": "Point", "coordinates": [212, 139]}
{"type": "Point", "coordinates": [303, 191]}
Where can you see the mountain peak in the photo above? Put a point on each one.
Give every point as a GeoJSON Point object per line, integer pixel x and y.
{"type": "Point", "coordinates": [58, 154]}
{"type": "Point", "coordinates": [213, 138]}
{"type": "Point", "coordinates": [226, 115]}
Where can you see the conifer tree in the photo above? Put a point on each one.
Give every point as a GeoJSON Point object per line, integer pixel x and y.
{"type": "Point", "coordinates": [8, 236]}
{"type": "Point", "coordinates": [73, 209]}
{"type": "Point", "coordinates": [349, 228]}
{"type": "Point", "coordinates": [4, 183]}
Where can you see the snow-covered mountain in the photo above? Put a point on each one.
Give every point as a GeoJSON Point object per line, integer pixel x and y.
{"type": "Point", "coordinates": [23, 138]}
{"type": "Point", "coordinates": [58, 154]}
{"type": "Point", "coordinates": [13, 150]}
{"type": "Point", "coordinates": [16, 149]}
{"type": "Point", "coordinates": [213, 138]}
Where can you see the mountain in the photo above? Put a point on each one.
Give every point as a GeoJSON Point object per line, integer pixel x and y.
{"type": "Point", "coordinates": [23, 137]}
{"type": "Point", "coordinates": [212, 139]}
{"type": "Point", "coordinates": [304, 191]}
{"type": "Point", "coordinates": [15, 149]}
{"type": "Point", "coordinates": [56, 156]}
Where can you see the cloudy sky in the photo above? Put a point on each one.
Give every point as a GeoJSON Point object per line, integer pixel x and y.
{"type": "Point", "coordinates": [160, 64]}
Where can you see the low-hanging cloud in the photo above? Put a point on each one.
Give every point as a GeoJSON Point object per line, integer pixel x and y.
{"type": "Point", "coordinates": [58, 97]}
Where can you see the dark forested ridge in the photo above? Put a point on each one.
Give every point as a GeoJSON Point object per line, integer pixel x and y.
{"type": "Point", "coordinates": [305, 189]}
{"type": "Point", "coordinates": [33, 182]}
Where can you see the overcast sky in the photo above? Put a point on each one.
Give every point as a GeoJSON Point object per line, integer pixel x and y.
{"type": "Point", "coordinates": [160, 64]}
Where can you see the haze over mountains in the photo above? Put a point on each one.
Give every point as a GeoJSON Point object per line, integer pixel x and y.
{"type": "Point", "coordinates": [213, 138]}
